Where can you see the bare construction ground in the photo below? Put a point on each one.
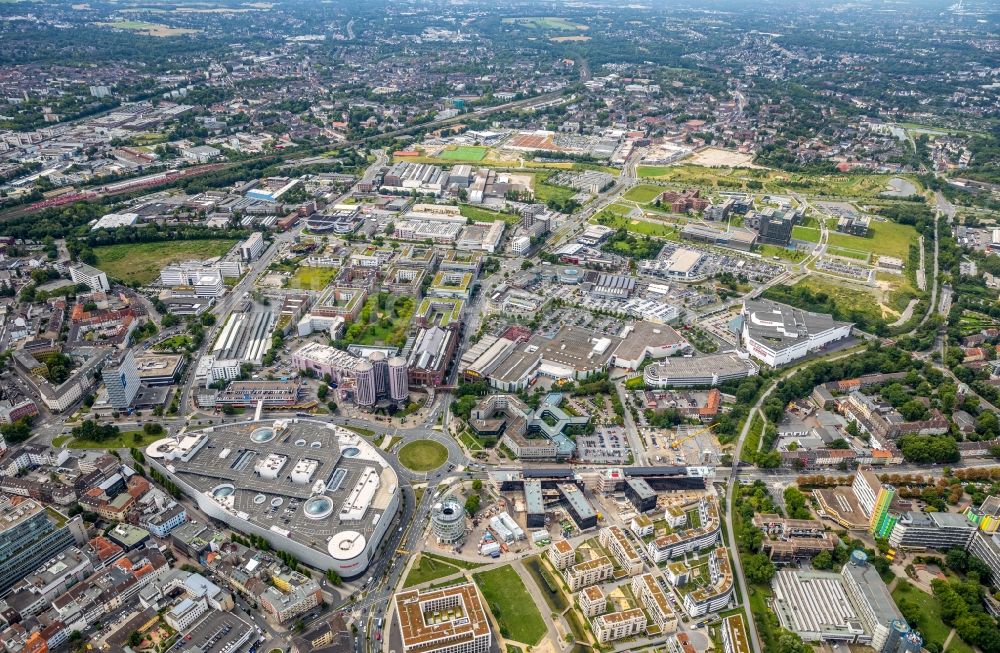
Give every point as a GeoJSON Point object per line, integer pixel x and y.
{"type": "Point", "coordinates": [716, 157]}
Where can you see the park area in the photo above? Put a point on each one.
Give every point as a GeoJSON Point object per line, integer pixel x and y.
{"type": "Point", "coordinates": [383, 320]}
{"type": "Point", "coordinates": [141, 262]}
{"type": "Point", "coordinates": [464, 153]}
{"type": "Point", "coordinates": [923, 611]}
{"type": "Point", "coordinates": [124, 440]}
{"type": "Point", "coordinates": [654, 228]}
{"type": "Point", "coordinates": [430, 567]}
{"type": "Point", "coordinates": [423, 455]}
{"type": "Point", "coordinates": [511, 605]}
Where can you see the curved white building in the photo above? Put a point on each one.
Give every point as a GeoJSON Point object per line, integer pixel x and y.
{"type": "Point", "coordinates": [315, 490]}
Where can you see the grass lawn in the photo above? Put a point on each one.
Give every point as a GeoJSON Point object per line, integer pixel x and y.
{"type": "Point", "coordinates": [847, 253]}
{"type": "Point", "coordinates": [515, 612]}
{"type": "Point", "coordinates": [928, 612]}
{"type": "Point", "coordinates": [58, 441]}
{"type": "Point", "coordinates": [884, 238]}
{"type": "Point", "coordinates": [806, 233]}
{"type": "Point", "coordinates": [464, 153]}
{"type": "Point", "coordinates": [619, 209]}
{"type": "Point", "coordinates": [148, 138]}
{"type": "Point", "coordinates": [769, 251]}
{"type": "Point", "coordinates": [310, 278]}
{"type": "Point", "coordinates": [426, 569]}
{"type": "Point", "coordinates": [643, 193]}
{"type": "Point", "coordinates": [548, 586]}
{"type": "Point", "coordinates": [125, 440]}
{"type": "Point", "coordinates": [454, 562]}
{"type": "Point", "coordinates": [470, 443]}
{"type": "Point", "coordinates": [142, 262]}
{"type": "Point", "coordinates": [653, 171]}
{"type": "Point", "coordinates": [485, 215]}
{"type": "Point", "coordinates": [764, 617]}
{"type": "Point", "coordinates": [749, 452]}
{"type": "Point", "coordinates": [423, 455]}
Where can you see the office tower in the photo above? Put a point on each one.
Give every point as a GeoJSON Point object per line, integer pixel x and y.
{"type": "Point", "coordinates": [27, 539]}
{"type": "Point", "coordinates": [399, 385]}
{"type": "Point", "coordinates": [121, 377]}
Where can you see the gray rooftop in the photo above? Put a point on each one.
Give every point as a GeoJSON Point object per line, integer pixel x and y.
{"type": "Point", "coordinates": [533, 497]}
{"type": "Point", "coordinates": [641, 487]}
{"type": "Point", "coordinates": [233, 451]}
{"type": "Point", "coordinates": [875, 592]}
{"type": "Point", "coordinates": [783, 326]}
{"type": "Point", "coordinates": [575, 497]}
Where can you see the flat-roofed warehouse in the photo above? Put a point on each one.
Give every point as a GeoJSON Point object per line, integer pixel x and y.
{"type": "Point", "coordinates": [245, 337]}
{"type": "Point", "coordinates": [312, 489]}
{"type": "Point", "coordinates": [480, 360]}
{"type": "Point", "coordinates": [448, 620]}
{"type": "Point", "coordinates": [815, 605]}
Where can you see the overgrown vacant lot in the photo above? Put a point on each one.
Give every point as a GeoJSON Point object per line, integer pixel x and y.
{"type": "Point", "coordinates": [142, 262]}
{"type": "Point", "coordinates": [310, 278]}
{"type": "Point", "coordinates": [767, 179]}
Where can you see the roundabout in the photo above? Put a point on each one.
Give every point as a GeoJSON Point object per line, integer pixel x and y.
{"type": "Point", "coordinates": [422, 455]}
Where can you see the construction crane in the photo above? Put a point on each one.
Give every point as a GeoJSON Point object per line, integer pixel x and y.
{"type": "Point", "coordinates": [677, 443]}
